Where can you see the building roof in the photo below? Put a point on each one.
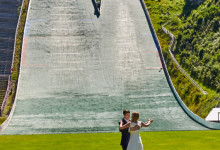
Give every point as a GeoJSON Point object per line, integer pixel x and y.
{"type": "Point", "coordinates": [214, 115]}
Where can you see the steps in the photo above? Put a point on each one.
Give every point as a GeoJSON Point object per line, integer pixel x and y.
{"type": "Point", "coordinates": [3, 88]}
{"type": "Point", "coordinates": [8, 22]}
{"type": "Point", "coordinates": [9, 2]}
{"type": "Point", "coordinates": [9, 15]}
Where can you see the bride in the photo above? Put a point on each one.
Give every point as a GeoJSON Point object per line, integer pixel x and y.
{"type": "Point", "coordinates": [135, 142]}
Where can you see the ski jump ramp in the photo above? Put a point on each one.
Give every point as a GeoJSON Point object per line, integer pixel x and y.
{"type": "Point", "coordinates": [78, 72]}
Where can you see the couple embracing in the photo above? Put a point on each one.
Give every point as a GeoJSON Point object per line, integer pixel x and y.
{"type": "Point", "coordinates": [130, 129]}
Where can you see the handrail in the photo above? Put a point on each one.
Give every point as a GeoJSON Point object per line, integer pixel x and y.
{"type": "Point", "coordinates": [6, 94]}
{"type": "Point", "coordinates": [176, 62]}
{"type": "Point", "coordinates": [9, 78]}
{"type": "Point", "coordinates": [6, 122]}
{"type": "Point", "coordinates": [193, 116]}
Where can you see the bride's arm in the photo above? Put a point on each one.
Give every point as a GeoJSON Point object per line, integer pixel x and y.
{"type": "Point", "coordinates": [121, 127]}
{"type": "Point", "coordinates": [136, 127]}
{"type": "Point", "coordinates": [143, 124]}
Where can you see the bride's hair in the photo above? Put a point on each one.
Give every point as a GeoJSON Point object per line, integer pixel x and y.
{"type": "Point", "coordinates": [134, 117]}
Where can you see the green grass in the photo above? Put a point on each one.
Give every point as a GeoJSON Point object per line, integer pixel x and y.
{"type": "Point", "coordinates": [171, 140]}
{"type": "Point", "coordinates": [2, 119]}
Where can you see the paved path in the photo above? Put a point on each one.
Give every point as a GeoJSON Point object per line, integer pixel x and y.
{"type": "Point", "coordinates": [79, 72]}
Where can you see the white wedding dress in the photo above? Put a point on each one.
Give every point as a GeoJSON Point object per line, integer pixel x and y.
{"type": "Point", "coordinates": [135, 142]}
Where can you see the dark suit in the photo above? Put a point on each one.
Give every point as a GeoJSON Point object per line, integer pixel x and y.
{"type": "Point", "coordinates": [125, 136]}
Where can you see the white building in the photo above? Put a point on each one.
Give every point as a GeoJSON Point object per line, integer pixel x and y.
{"type": "Point", "coordinates": [214, 115]}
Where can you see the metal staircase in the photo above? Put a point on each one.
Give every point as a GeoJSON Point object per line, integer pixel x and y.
{"type": "Point", "coordinates": [9, 15]}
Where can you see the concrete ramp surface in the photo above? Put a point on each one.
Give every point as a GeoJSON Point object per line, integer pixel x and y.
{"type": "Point", "coordinates": [79, 72]}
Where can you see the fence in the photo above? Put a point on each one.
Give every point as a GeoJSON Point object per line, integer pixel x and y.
{"type": "Point", "coordinates": [176, 62]}
{"type": "Point", "coordinates": [7, 93]}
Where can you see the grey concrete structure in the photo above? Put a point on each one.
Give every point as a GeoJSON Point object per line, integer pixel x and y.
{"type": "Point", "coordinates": [79, 72]}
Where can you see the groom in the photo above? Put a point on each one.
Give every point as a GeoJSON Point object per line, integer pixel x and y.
{"type": "Point", "coordinates": [125, 132]}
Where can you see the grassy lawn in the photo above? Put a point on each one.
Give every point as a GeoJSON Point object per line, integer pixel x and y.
{"type": "Point", "coordinates": [201, 140]}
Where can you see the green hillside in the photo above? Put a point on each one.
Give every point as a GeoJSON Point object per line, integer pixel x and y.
{"type": "Point", "coordinates": [198, 44]}
{"type": "Point", "coordinates": [196, 27]}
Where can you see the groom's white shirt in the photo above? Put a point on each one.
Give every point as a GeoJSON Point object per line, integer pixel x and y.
{"type": "Point", "coordinates": [126, 120]}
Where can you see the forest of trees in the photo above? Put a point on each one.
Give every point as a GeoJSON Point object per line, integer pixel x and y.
{"type": "Point", "coordinates": [198, 44]}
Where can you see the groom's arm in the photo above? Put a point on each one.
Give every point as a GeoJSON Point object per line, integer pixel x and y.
{"type": "Point", "coordinates": [124, 127]}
